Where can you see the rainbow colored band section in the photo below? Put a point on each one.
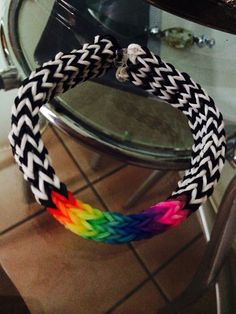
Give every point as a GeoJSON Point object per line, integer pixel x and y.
{"type": "Point", "coordinates": [116, 228]}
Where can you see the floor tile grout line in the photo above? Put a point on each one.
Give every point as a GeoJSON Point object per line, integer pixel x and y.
{"type": "Point", "coordinates": [138, 258]}
{"type": "Point", "coordinates": [177, 254]}
{"type": "Point", "coordinates": [86, 178]}
{"type": "Point", "coordinates": [90, 184]}
{"type": "Point", "coordinates": [35, 214]}
{"type": "Point", "coordinates": [136, 288]}
{"type": "Point", "coordinates": [84, 187]}
{"type": "Point", "coordinates": [127, 296]}
{"type": "Point", "coordinates": [40, 211]}
{"type": "Point", "coordinates": [23, 221]}
{"type": "Point", "coordinates": [142, 263]}
{"type": "Point", "coordinates": [77, 164]}
{"type": "Point", "coordinates": [84, 175]}
{"type": "Point", "coordinates": [106, 175]}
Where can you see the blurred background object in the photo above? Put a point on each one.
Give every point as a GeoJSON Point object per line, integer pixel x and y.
{"type": "Point", "coordinates": [219, 14]}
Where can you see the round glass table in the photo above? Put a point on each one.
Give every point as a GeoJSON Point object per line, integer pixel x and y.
{"type": "Point", "coordinates": [105, 114]}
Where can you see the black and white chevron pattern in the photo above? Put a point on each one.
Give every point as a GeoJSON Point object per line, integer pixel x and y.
{"type": "Point", "coordinates": [53, 78]}
{"type": "Point", "coordinates": [161, 79]}
{"type": "Point", "coordinates": [143, 69]}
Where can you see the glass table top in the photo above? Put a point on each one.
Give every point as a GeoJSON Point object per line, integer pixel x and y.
{"type": "Point", "coordinates": [40, 29]}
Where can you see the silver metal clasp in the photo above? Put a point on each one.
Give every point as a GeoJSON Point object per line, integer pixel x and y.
{"type": "Point", "coordinates": [132, 53]}
{"type": "Point", "coordinates": [121, 65]}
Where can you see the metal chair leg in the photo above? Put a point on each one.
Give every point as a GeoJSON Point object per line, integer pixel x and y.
{"type": "Point", "coordinates": [218, 247]}
{"type": "Point", "coordinates": [155, 176]}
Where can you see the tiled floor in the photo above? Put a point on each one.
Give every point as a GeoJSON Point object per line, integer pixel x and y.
{"type": "Point", "coordinates": [58, 272]}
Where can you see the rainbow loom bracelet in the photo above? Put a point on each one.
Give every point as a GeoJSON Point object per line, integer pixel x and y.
{"type": "Point", "coordinates": [141, 67]}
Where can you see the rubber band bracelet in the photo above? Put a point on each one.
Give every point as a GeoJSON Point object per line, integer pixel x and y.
{"type": "Point", "coordinates": [141, 67]}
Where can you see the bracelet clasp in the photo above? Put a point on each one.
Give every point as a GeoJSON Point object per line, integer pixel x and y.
{"type": "Point", "coordinates": [121, 65]}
